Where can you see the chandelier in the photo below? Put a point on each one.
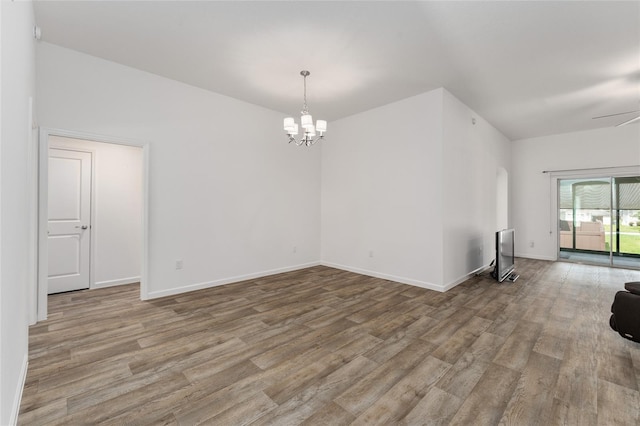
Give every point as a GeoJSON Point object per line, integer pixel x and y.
{"type": "Point", "coordinates": [308, 136]}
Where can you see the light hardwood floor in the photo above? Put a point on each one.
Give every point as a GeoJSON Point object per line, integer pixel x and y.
{"type": "Point", "coordinates": [328, 347]}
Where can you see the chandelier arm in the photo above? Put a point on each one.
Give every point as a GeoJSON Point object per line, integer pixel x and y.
{"type": "Point", "coordinates": [296, 141]}
{"type": "Point", "coordinates": [307, 141]}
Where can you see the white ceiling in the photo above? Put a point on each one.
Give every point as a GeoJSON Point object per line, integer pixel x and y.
{"type": "Point", "coordinates": [529, 68]}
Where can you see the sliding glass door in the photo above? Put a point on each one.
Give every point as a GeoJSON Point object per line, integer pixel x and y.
{"type": "Point", "coordinates": [625, 242]}
{"type": "Point", "coordinates": [599, 220]}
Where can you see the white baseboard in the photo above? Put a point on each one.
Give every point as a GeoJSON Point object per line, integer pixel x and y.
{"type": "Point", "coordinates": [15, 409]}
{"type": "Point", "coordinates": [462, 279]}
{"type": "Point", "coordinates": [229, 280]}
{"type": "Point", "coordinates": [535, 257]}
{"type": "Point", "coordinates": [112, 283]}
{"type": "Point", "coordinates": [402, 280]}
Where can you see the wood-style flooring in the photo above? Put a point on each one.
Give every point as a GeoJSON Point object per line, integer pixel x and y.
{"type": "Point", "coordinates": [322, 346]}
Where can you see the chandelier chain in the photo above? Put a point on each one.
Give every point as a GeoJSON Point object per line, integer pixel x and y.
{"type": "Point", "coordinates": [305, 109]}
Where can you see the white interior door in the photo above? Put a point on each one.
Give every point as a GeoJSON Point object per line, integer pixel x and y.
{"type": "Point", "coordinates": [69, 223]}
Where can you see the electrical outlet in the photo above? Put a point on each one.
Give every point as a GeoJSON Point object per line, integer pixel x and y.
{"type": "Point", "coordinates": [531, 243]}
{"type": "Point", "coordinates": [179, 264]}
{"type": "Point", "coordinates": [370, 253]}
{"type": "Point", "coordinates": [295, 249]}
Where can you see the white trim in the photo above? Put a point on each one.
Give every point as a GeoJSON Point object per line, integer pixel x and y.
{"type": "Point", "coordinates": [553, 215]}
{"type": "Point", "coordinates": [465, 277]}
{"type": "Point", "coordinates": [536, 257]}
{"type": "Point", "coordinates": [595, 172]}
{"type": "Point", "coordinates": [32, 195]}
{"type": "Point", "coordinates": [554, 179]}
{"type": "Point", "coordinates": [402, 280]}
{"type": "Point", "coordinates": [112, 283]}
{"type": "Point", "coordinates": [230, 280]}
{"type": "Point", "coordinates": [17, 399]}
{"type": "Point", "coordinates": [43, 207]}
{"type": "Point", "coordinates": [144, 271]}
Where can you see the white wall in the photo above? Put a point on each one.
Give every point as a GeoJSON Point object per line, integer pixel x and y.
{"type": "Point", "coordinates": [227, 194]}
{"type": "Point", "coordinates": [533, 191]}
{"type": "Point", "coordinates": [116, 232]}
{"type": "Point", "coordinates": [473, 156]}
{"type": "Point", "coordinates": [17, 86]}
{"type": "Point", "coordinates": [415, 183]}
{"type": "Point", "coordinates": [382, 191]}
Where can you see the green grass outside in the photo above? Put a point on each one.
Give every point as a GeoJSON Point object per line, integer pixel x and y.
{"type": "Point", "coordinates": [629, 239]}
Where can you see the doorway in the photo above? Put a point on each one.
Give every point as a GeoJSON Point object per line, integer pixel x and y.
{"type": "Point", "coordinates": [100, 149]}
{"type": "Point", "coordinates": [599, 220]}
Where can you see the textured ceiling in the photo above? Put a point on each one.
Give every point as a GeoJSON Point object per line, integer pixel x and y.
{"type": "Point", "coordinates": [529, 68]}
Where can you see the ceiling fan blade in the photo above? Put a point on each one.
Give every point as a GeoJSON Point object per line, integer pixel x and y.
{"type": "Point", "coordinates": [613, 115]}
{"type": "Point", "coordinates": [629, 121]}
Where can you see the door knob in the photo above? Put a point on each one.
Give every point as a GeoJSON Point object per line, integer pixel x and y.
{"type": "Point", "coordinates": [82, 227]}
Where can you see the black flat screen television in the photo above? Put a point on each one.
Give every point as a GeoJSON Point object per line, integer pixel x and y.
{"type": "Point", "coordinates": [505, 258]}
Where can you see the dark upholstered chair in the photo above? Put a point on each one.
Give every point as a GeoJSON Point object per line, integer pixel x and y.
{"type": "Point", "coordinates": [626, 312]}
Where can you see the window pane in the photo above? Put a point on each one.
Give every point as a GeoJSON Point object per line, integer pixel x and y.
{"type": "Point", "coordinates": [628, 193]}
{"type": "Point", "coordinates": [592, 195]}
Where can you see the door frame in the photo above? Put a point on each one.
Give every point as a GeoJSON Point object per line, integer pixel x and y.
{"type": "Point", "coordinates": [592, 173]}
{"type": "Point", "coordinates": [43, 194]}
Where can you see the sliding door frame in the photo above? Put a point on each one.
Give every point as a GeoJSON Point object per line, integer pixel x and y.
{"type": "Point", "coordinates": [590, 181]}
{"type": "Point", "coordinates": [595, 173]}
